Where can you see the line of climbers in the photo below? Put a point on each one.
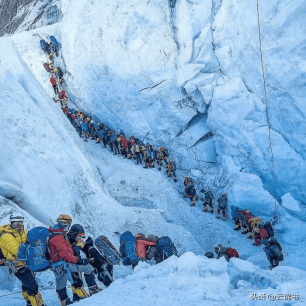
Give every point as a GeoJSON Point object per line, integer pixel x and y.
{"type": "Point", "coordinates": [59, 248]}
{"type": "Point", "coordinates": [129, 147]}
{"type": "Point", "coordinates": [190, 192]}
{"type": "Point", "coordinates": [133, 148]}
{"type": "Point", "coordinates": [262, 233]}
{"type": "Point", "coordinates": [56, 73]}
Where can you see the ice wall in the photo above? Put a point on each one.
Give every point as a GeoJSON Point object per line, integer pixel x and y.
{"type": "Point", "coordinates": [190, 72]}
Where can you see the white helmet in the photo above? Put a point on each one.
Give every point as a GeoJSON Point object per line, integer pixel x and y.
{"type": "Point", "coordinates": [16, 217]}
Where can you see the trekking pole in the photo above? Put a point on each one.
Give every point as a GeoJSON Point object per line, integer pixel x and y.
{"type": "Point", "coordinates": [120, 108]}
{"type": "Point", "coordinates": [51, 221]}
{"type": "Point", "coordinates": [146, 135]}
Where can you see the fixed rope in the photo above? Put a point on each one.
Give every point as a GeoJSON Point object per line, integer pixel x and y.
{"type": "Point", "coordinates": [267, 105]}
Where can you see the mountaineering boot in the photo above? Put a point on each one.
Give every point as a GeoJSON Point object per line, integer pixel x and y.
{"type": "Point", "coordinates": [245, 231]}
{"type": "Point", "coordinates": [175, 180]}
{"type": "Point", "coordinates": [79, 293]}
{"type": "Point", "coordinates": [94, 289]}
{"type": "Point", "coordinates": [26, 297]}
{"type": "Point", "coordinates": [63, 297]}
{"type": "Point", "coordinates": [237, 227]}
{"type": "Point", "coordinates": [192, 204]}
{"type": "Point", "coordinates": [36, 300]}
{"type": "Point", "coordinates": [212, 211]}
{"type": "Point", "coordinates": [205, 209]}
{"type": "Point", "coordinates": [66, 302]}
{"type": "Point", "coordinates": [224, 217]}
{"type": "Point", "coordinates": [218, 215]}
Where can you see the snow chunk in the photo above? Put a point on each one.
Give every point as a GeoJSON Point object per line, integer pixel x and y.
{"type": "Point", "coordinates": [290, 202]}
{"type": "Point", "coordinates": [248, 192]}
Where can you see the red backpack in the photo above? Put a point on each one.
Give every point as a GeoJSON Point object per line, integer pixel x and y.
{"type": "Point", "coordinates": [232, 253]}
{"type": "Point", "coordinates": [263, 233]}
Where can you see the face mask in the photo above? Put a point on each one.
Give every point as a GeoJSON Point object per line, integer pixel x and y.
{"type": "Point", "coordinates": [17, 225]}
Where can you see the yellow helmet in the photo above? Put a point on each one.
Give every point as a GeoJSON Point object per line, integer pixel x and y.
{"type": "Point", "coordinates": [55, 70]}
{"type": "Point", "coordinates": [88, 119]}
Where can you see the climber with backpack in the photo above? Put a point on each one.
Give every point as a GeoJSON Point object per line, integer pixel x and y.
{"type": "Point", "coordinates": [54, 45]}
{"type": "Point", "coordinates": [246, 215]}
{"type": "Point", "coordinates": [141, 246]}
{"type": "Point", "coordinates": [12, 236]}
{"type": "Point", "coordinates": [163, 249]}
{"type": "Point", "coordinates": [236, 217]}
{"type": "Point", "coordinates": [274, 252]}
{"type": "Point", "coordinates": [256, 231]}
{"type": "Point", "coordinates": [164, 155]}
{"type": "Point", "coordinates": [63, 98]}
{"type": "Point", "coordinates": [158, 158]}
{"type": "Point", "coordinates": [222, 205]}
{"type": "Point", "coordinates": [54, 84]}
{"type": "Point", "coordinates": [76, 237]}
{"type": "Point", "coordinates": [63, 260]}
{"type": "Point", "coordinates": [60, 74]}
{"type": "Point", "coordinates": [106, 256]}
{"type": "Point", "coordinates": [225, 252]}
{"type": "Point", "coordinates": [191, 192]}
{"type": "Point", "coordinates": [208, 199]}
{"type": "Point", "coordinates": [46, 48]}
{"type": "Point", "coordinates": [127, 249]}
{"type": "Point", "coordinates": [171, 169]}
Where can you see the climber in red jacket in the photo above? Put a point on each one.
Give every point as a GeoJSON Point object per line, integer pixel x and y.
{"type": "Point", "coordinates": [63, 260]}
{"type": "Point", "coordinates": [63, 98]}
{"type": "Point", "coordinates": [54, 84]}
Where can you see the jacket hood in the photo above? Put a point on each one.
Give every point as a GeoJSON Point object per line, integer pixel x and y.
{"type": "Point", "coordinates": [56, 229]}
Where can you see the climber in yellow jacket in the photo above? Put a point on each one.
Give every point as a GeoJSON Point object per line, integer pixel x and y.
{"type": "Point", "coordinates": [11, 237]}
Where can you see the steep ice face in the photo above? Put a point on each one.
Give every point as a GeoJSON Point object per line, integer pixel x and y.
{"type": "Point", "coordinates": [238, 115]}
{"type": "Point", "coordinates": [190, 73]}
{"type": "Point", "coordinates": [24, 15]}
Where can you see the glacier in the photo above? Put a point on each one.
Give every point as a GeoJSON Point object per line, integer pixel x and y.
{"type": "Point", "coordinates": [190, 74]}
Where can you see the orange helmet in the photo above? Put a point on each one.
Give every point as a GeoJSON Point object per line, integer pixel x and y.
{"type": "Point", "coordinates": [64, 219]}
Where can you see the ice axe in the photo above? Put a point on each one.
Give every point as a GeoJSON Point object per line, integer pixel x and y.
{"type": "Point", "coordinates": [146, 135]}
{"type": "Point", "coordinates": [229, 243]}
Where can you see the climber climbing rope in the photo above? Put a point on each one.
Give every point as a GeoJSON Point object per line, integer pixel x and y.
{"type": "Point", "coordinates": [267, 106]}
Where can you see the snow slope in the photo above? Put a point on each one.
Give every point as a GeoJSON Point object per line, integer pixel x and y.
{"type": "Point", "coordinates": [195, 280]}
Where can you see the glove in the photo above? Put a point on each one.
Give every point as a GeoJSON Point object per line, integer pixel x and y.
{"type": "Point", "coordinates": [89, 242]}
{"type": "Point", "coordinates": [83, 261]}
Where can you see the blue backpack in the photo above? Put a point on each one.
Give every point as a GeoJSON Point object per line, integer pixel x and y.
{"type": "Point", "coordinates": [128, 249]}
{"type": "Point", "coordinates": [54, 41]}
{"type": "Point", "coordinates": [43, 44]}
{"type": "Point", "coordinates": [234, 211]}
{"type": "Point", "coordinates": [166, 248]}
{"type": "Point", "coordinates": [35, 251]}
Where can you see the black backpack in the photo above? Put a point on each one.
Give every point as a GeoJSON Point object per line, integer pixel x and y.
{"type": "Point", "coordinates": [268, 227]}
{"type": "Point", "coordinates": [276, 252]}
{"type": "Point", "coordinates": [107, 250]}
{"type": "Point", "coordinates": [166, 248]}
{"type": "Point", "coordinates": [209, 195]}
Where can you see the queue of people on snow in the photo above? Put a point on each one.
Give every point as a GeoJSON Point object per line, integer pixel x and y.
{"type": "Point", "coordinates": [56, 73]}
{"type": "Point", "coordinates": [69, 253]}
{"type": "Point", "coordinates": [129, 147]}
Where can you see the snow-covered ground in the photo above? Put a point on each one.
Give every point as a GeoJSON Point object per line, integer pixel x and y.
{"type": "Point", "coordinates": [205, 57]}
{"type": "Point", "coordinates": [194, 281]}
